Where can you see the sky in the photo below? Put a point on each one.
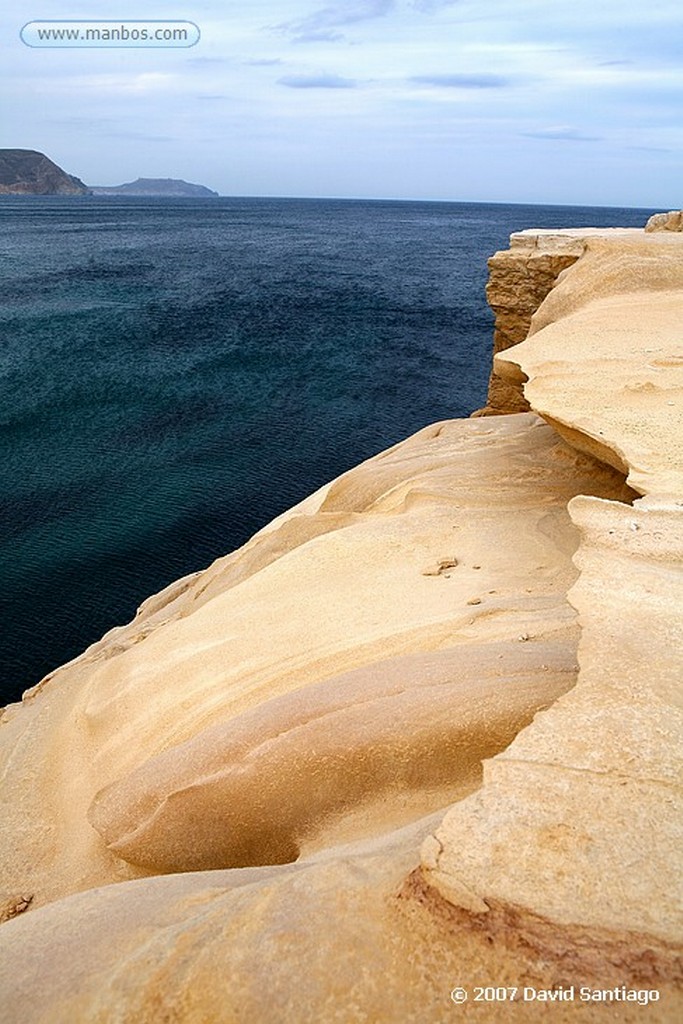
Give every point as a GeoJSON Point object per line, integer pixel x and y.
{"type": "Point", "coordinates": [573, 102]}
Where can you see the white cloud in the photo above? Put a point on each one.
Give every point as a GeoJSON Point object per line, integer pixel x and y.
{"type": "Point", "coordinates": [463, 81]}
{"type": "Point", "coordinates": [563, 133]}
{"type": "Point", "coordinates": [322, 24]}
{"type": "Point", "coordinates": [317, 82]}
{"type": "Point", "coordinates": [147, 83]}
{"type": "Point", "coordinates": [429, 6]}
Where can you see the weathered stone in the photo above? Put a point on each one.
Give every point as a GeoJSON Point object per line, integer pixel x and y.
{"type": "Point", "coordinates": [211, 693]}
{"type": "Point", "coordinates": [604, 358]}
{"type": "Point", "coordinates": [576, 833]}
{"type": "Point", "coordinates": [520, 278]}
{"type": "Point", "coordinates": [672, 221]}
{"type": "Point", "coordinates": [592, 790]}
{"type": "Point", "coordinates": [341, 938]}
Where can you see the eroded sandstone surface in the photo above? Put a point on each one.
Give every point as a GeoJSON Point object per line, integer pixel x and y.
{"type": "Point", "coordinates": [520, 278]}
{"type": "Point", "coordinates": [604, 358]}
{"type": "Point", "coordinates": [343, 673]}
{"type": "Point", "coordinates": [264, 759]}
{"type": "Point", "coordinates": [593, 788]}
{"type": "Point", "coordinates": [671, 221]}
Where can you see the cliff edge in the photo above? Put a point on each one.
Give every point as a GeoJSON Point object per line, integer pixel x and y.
{"type": "Point", "coordinates": [603, 364]}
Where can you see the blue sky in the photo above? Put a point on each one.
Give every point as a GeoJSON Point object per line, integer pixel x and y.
{"type": "Point", "coordinates": [538, 101]}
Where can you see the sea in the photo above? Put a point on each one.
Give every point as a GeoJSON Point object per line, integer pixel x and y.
{"type": "Point", "coordinates": [176, 372]}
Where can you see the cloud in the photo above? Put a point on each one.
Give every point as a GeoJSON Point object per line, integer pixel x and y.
{"type": "Point", "coordinates": [317, 82]}
{"type": "Point", "coordinates": [320, 35]}
{"type": "Point", "coordinates": [562, 133]}
{"type": "Point", "coordinates": [263, 62]}
{"type": "Point", "coordinates": [650, 149]}
{"type": "Point", "coordinates": [141, 136]}
{"type": "Point", "coordinates": [429, 6]}
{"type": "Point", "coordinates": [322, 24]}
{"type": "Point", "coordinates": [147, 84]}
{"type": "Point", "coordinates": [83, 122]}
{"type": "Point", "coordinates": [464, 81]}
{"type": "Point", "coordinates": [201, 61]}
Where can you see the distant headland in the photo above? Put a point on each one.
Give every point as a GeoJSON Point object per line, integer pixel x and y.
{"type": "Point", "coordinates": [154, 187]}
{"type": "Point", "coordinates": [27, 172]}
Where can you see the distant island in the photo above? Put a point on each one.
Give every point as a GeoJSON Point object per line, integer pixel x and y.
{"type": "Point", "coordinates": [172, 187]}
{"type": "Point", "coordinates": [26, 172]}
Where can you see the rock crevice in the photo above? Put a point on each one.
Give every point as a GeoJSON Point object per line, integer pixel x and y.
{"type": "Point", "coordinates": [592, 790]}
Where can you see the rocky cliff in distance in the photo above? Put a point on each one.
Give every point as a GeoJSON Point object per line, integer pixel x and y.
{"type": "Point", "coordinates": [25, 172]}
{"type": "Point", "coordinates": [671, 221]}
{"type": "Point", "coordinates": [173, 188]}
{"type": "Point", "coordinates": [420, 734]}
{"type": "Point", "coordinates": [520, 278]}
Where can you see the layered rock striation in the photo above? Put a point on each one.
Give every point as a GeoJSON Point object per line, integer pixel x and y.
{"type": "Point", "coordinates": [487, 618]}
{"type": "Point", "coordinates": [520, 278]}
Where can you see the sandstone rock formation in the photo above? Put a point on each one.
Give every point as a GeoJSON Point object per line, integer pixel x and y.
{"type": "Point", "coordinates": [604, 364]}
{"type": "Point", "coordinates": [619, 308]}
{"type": "Point", "coordinates": [581, 791]}
{"type": "Point", "coordinates": [671, 221]}
{"type": "Point", "coordinates": [321, 696]}
{"type": "Point", "coordinates": [27, 172]}
{"type": "Point", "coordinates": [520, 278]}
{"type": "Point", "coordinates": [340, 937]}
{"type": "Point", "coordinates": [322, 682]}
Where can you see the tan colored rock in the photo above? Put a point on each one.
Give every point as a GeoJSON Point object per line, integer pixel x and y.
{"type": "Point", "coordinates": [520, 278]}
{"type": "Point", "coordinates": [517, 285]}
{"type": "Point", "coordinates": [636, 264]}
{"type": "Point", "coordinates": [576, 834]}
{"type": "Point", "coordinates": [294, 609]}
{"type": "Point", "coordinates": [341, 938]}
{"type": "Point", "coordinates": [379, 744]}
{"type": "Point", "coordinates": [580, 820]}
{"type": "Point", "coordinates": [671, 221]}
{"type": "Point", "coordinates": [604, 359]}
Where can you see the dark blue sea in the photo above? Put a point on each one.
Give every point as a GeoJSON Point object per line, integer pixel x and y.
{"type": "Point", "coordinates": [174, 373]}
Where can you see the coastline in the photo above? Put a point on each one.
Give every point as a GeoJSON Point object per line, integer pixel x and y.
{"type": "Point", "coordinates": [340, 679]}
{"type": "Point", "coordinates": [174, 407]}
